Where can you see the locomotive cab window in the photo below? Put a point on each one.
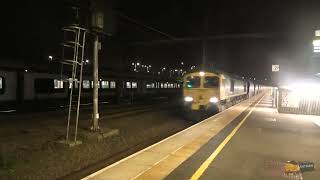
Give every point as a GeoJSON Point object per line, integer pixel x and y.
{"type": "Point", "coordinates": [193, 82]}
{"type": "Point", "coordinates": [1, 85]}
{"type": "Point", "coordinates": [211, 81]}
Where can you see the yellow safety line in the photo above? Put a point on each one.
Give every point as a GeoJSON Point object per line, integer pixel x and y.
{"type": "Point", "coordinates": [208, 161]}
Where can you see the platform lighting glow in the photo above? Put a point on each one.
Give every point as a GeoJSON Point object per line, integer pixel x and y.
{"type": "Point", "coordinates": [305, 89]}
{"type": "Point", "coordinates": [201, 73]}
{"type": "Point", "coordinates": [316, 50]}
{"type": "Point", "coordinates": [214, 100]}
{"type": "Point", "coordinates": [138, 64]}
{"type": "Point", "coordinates": [87, 61]}
{"type": "Point", "coordinates": [188, 99]}
{"type": "Point", "coordinates": [132, 64]}
{"type": "Point", "coordinates": [26, 70]}
{"type": "Point", "coordinates": [50, 57]}
{"type": "Point", "coordinates": [316, 42]}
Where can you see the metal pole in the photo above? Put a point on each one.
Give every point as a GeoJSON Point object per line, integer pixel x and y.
{"type": "Point", "coordinates": [95, 115]}
{"type": "Point", "coordinates": [80, 85]}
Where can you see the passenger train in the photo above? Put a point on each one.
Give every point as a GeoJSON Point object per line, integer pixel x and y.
{"type": "Point", "coordinates": [208, 92]}
{"type": "Point", "coordinates": [24, 89]}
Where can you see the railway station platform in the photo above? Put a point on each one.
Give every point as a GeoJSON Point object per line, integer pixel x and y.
{"type": "Point", "coordinates": [250, 140]}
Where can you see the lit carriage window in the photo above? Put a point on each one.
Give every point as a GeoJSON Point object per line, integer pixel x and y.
{"type": "Point", "coordinates": [112, 84]}
{"type": "Point", "coordinates": [1, 83]}
{"type": "Point", "coordinates": [58, 84]}
{"type": "Point", "coordinates": [150, 85]}
{"type": "Point", "coordinates": [105, 84]}
{"type": "Point", "coordinates": [86, 84]}
{"type": "Point", "coordinates": [165, 85]}
{"type": "Point", "coordinates": [75, 83]}
{"type": "Point", "coordinates": [92, 84]}
{"type": "Point", "coordinates": [134, 85]}
{"type": "Point", "coordinates": [161, 85]}
{"type": "Point", "coordinates": [175, 85]}
{"type": "Point", "coordinates": [128, 84]}
{"type": "Point", "coordinates": [178, 85]}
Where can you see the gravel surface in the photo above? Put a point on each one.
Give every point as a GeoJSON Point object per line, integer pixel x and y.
{"type": "Point", "coordinates": [28, 148]}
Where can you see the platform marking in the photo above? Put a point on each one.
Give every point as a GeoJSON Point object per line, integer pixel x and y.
{"type": "Point", "coordinates": [8, 111]}
{"type": "Point", "coordinates": [164, 158]}
{"type": "Point", "coordinates": [208, 161]}
{"type": "Point", "coordinates": [317, 122]}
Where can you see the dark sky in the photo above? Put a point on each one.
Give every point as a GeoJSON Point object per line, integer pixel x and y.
{"type": "Point", "coordinates": [31, 30]}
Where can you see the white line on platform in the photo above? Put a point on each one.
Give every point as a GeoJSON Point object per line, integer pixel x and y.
{"type": "Point", "coordinates": [216, 152]}
{"type": "Point", "coordinates": [8, 111]}
{"type": "Point", "coordinates": [317, 122]}
{"type": "Point", "coordinates": [164, 158]}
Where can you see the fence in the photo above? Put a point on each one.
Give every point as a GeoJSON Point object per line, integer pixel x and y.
{"type": "Point", "coordinates": [297, 103]}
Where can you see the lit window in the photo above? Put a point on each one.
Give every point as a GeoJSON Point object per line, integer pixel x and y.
{"type": "Point", "coordinates": [86, 84]}
{"type": "Point", "coordinates": [58, 84]}
{"type": "Point", "coordinates": [75, 84]}
{"type": "Point", "coordinates": [150, 85]}
{"type": "Point", "coordinates": [92, 84]}
{"type": "Point", "coordinates": [1, 83]}
{"type": "Point", "coordinates": [134, 85]}
{"type": "Point", "coordinates": [112, 84]}
{"type": "Point", "coordinates": [161, 85]}
{"type": "Point", "coordinates": [165, 85]}
{"type": "Point", "coordinates": [128, 84]}
{"type": "Point", "coordinates": [178, 85]}
{"type": "Point", "coordinates": [105, 84]}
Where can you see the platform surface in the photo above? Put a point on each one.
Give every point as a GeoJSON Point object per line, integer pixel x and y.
{"type": "Point", "coordinates": [161, 159]}
{"type": "Point", "coordinates": [243, 142]}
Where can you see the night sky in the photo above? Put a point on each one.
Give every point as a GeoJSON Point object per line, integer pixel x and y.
{"type": "Point", "coordinates": [31, 31]}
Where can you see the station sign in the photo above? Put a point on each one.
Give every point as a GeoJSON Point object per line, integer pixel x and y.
{"type": "Point", "coordinates": [275, 68]}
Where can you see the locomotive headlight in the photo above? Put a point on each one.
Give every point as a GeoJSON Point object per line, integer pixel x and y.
{"type": "Point", "coordinates": [214, 100]}
{"type": "Point", "coordinates": [188, 99]}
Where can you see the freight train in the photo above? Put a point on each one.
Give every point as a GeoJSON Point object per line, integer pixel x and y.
{"type": "Point", "coordinates": [209, 92]}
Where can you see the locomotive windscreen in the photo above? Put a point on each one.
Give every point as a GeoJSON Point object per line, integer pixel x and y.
{"type": "Point", "coordinates": [193, 82]}
{"type": "Point", "coordinates": [211, 81]}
